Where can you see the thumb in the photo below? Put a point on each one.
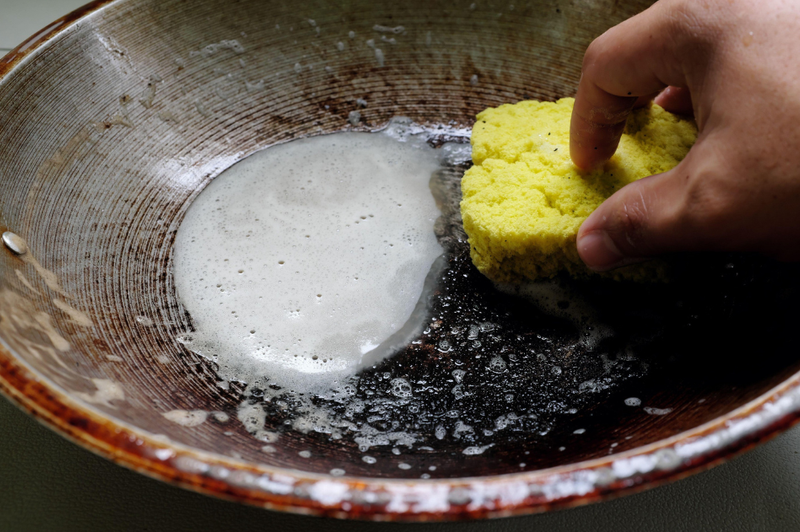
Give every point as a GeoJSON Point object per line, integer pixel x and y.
{"type": "Point", "coordinates": [639, 221]}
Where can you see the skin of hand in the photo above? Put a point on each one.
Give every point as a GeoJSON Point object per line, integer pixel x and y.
{"type": "Point", "coordinates": [734, 64]}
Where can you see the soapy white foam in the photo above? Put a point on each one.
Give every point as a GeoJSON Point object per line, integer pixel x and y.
{"type": "Point", "coordinates": [187, 418]}
{"type": "Point", "coordinates": [304, 258]}
{"type": "Point", "coordinates": [107, 391]}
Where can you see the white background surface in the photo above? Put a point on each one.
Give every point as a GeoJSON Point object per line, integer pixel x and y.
{"type": "Point", "coordinates": [49, 484]}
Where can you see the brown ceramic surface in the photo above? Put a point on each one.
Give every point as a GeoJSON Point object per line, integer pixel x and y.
{"type": "Point", "coordinates": [115, 118]}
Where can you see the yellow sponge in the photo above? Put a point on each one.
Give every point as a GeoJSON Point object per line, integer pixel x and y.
{"type": "Point", "coordinates": [524, 199]}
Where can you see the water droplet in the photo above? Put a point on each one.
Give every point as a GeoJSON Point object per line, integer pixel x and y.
{"type": "Point", "coordinates": [401, 388]}
{"type": "Point", "coordinates": [657, 411]}
{"type": "Point", "coordinates": [474, 450]}
{"type": "Point", "coordinates": [15, 243]}
{"type": "Point", "coordinates": [497, 365]}
{"type": "Point", "coordinates": [144, 320]}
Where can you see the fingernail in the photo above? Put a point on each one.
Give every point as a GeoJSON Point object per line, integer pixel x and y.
{"type": "Point", "coordinates": [599, 252]}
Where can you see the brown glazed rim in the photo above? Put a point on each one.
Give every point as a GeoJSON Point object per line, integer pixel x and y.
{"type": "Point", "coordinates": [388, 500]}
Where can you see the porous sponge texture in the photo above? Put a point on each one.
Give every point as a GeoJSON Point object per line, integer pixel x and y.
{"type": "Point", "coordinates": [524, 200]}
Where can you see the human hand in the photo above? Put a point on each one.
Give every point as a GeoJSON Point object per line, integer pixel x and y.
{"type": "Point", "coordinates": [736, 65]}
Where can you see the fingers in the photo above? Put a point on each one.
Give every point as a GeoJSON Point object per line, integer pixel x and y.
{"type": "Point", "coordinates": [598, 120]}
{"type": "Point", "coordinates": [676, 100]}
{"type": "Point", "coordinates": [635, 59]}
{"type": "Point", "coordinates": [643, 219]}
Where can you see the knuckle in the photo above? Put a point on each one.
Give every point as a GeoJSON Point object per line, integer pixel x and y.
{"type": "Point", "coordinates": [708, 207]}
{"type": "Point", "coordinates": [684, 14]}
{"type": "Point", "coordinates": [690, 23]}
{"type": "Point", "coordinates": [633, 220]}
{"type": "Point", "coordinates": [600, 52]}
{"type": "Point", "coordinates": [592, 55]}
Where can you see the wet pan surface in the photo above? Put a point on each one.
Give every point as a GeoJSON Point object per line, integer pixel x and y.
{"type": "Point", "coordinates": [114, 123]}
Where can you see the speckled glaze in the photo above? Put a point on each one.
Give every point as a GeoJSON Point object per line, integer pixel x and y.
{"type": "Point", "coordinates": [114, 118]}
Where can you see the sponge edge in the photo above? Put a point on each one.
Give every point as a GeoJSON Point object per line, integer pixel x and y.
{"type": "Point", "coordinates": [524, 200]}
